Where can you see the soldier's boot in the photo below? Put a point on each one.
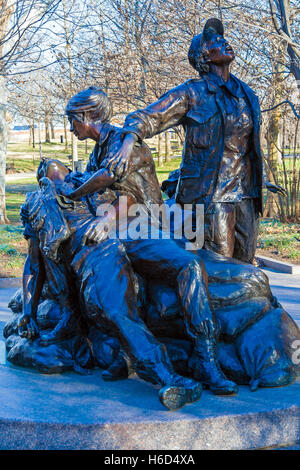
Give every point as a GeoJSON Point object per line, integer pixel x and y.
{"type": "Point", "coordinates": [179, 391]}
{"type": "Point", "coordinates": [205, 368]}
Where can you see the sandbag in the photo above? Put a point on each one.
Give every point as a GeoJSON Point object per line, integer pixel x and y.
{"type": "Point", "coordinates": [230, 363]}
{"type": "Point", "coordinates": [234, 319]}
{"type": "Point", "coordinates": [105, 348]}
{"type": "Point", "coordinates": [263, 352]}
{"type": "Point", "coordinates": [69, 354]}
{"type": "Point", "coordinates": [16, 302]}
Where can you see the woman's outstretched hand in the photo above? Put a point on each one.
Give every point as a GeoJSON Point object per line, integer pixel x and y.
{"type": "Point", "coordinates": [275, 188]}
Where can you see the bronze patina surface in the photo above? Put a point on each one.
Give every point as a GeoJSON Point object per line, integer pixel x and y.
{"type": "Point", "coordinates": [180, 319]}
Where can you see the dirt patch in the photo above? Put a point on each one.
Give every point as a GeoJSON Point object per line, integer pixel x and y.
{"type": "Point", "coordinates": [278, 256]}
{"type": "Point", "coordinates": [280, 241]}
{"type": "Point", "coordinates": [12, 266]}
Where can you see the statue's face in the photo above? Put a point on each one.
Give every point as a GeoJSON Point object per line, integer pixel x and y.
{"type": "Point", "coordinates": [80, 129]}
{"type": "Point", "coordinates": [219, 51]}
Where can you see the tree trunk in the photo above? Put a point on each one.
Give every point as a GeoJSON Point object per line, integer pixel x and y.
{"type": "Point", "coordinates": [273, 131]}
{"type": "Point", "coordinates": [273, 134]}
{"type": "Point", "coordinates": [4, 21]}
{"type": "Point", "coordinates": [74, 151]}
{"type": "Point", "coordinates": [47, 133]}
{"type": "Point", "coordinates": [71, 76]}
{"type": "Point", "coordinates": [3, 147]}
{"type": "Point", "coordinates": [66, 132]}
{"type": "Point", "coordinates": [52, 130]}
{"type": "Point", "coordinates": [40, 141]}
{"type": "Point", "coordinates": [159, 151]}
{"type": "Point", "coordinates": [295, 193]}
{"type": "Point", "coordinates": [281, 9]}
{"type": "Point", "coordinates": [167, 147]}
{"type": "Point", "coordinates": [33, 135]}
{"type": "Point", "coordinates": [284, 7]}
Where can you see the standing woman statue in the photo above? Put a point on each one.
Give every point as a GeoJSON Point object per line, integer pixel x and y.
{"type": "Point", "coordinates": [222, 162]}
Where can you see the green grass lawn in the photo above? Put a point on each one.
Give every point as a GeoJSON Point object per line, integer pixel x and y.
{"type": "Point", "coordinates": [22, 157]}
{"type": "Point", "coordinates": [13, 249]}
{"type": "Point", "coordinates": [163, 172]}
{"type": "Point", "coordinates": [50, 149]}
{"type": "Point", "coordinates": [13, 246]}
{"type": "Point", "coordinates": [15, 196]}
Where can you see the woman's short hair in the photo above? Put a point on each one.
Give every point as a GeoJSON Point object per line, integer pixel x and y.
{"type": "Point", "coordinates": [94, 101]}
{"type": "Point", "coordinates": [197, 56]}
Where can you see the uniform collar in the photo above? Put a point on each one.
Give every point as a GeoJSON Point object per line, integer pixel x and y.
{"type": "Point", "coordinates": [214, 83]}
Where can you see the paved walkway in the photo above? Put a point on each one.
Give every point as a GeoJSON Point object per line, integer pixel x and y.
{"type": "Point", "coordinates": [19, 176]}
{"type": "Point", "coordinates": [5, 296]}
{"type": "Point", "coordinates": [286, 287]}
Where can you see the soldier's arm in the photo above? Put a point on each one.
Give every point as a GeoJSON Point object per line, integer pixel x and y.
{"type": "Point", "coordinates": [33, 280]}
{"type": "Point", "coordinates": [99, 181]}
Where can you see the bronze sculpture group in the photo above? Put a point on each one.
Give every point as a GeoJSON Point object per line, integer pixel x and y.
{"type": "Point", "coordinates": [178, 318]}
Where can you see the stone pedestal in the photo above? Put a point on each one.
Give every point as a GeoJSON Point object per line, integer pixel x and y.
{"type": "Point", "coordinates": [70, 411]}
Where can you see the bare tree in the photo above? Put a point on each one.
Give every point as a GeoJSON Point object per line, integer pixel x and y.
{"type": "Point", "coordinates": [21, 27]}
{"type": "Point", "coordinates": [137, 49]}
{"type": "Point", "coordinates": [281, 17]}
{"type": "Point", "coordinates": [7, 8]}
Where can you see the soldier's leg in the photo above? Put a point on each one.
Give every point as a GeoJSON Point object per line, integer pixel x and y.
{"type": "Point", "coordinates": [246, 231]}
{"type": "Point", "coordinates": [108, 292]}
{"type": "Point", "coordinates": [169, 263]}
